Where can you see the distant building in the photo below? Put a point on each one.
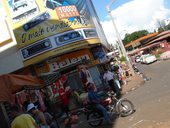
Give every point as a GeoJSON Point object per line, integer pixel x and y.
{"type": "Point", "coordinates": [149, 42]}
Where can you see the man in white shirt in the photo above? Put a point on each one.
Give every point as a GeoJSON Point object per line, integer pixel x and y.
{"type": "Point", "coordinates": [109, 77]}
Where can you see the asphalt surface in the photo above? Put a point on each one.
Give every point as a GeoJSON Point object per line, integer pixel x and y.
{"type": "Point", "coordinates": [151, 100]}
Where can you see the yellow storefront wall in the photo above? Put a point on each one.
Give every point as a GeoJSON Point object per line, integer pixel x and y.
{"type": "Point", "coordinates": [61, 50]}
{"type": "Point", "coordinates": [35, 23]}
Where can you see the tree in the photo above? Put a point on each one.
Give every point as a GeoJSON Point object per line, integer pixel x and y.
{"type": "Point", "coordinates": [160, 29]}
{"type": "Point", "coordinates": [167, 27]}
{"type": "Point", "coordinates": [134, 36]}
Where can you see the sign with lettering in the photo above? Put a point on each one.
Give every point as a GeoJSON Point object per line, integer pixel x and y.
{"type": "Point", "coordinates": [67, 11]}
{"type": "Point", "coordinates": [44, 28]}
{"type": "Point", "coordinates": [68, 61]}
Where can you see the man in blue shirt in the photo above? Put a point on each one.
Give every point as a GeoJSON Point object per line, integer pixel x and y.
{"type": "Point", "coordinates": [94, 99]}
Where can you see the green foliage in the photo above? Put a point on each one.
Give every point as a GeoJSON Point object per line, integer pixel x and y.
{"type": "Point", "coordinates": [134, 36]}
{"type": "Point", "coordinates": [158, 56]}
{"type": "Point", "coordinates": [160, 29]}
{"type": "Point", "coordinates": [123, 58]}
{"type": "Point", "coordinates": [167, 27]}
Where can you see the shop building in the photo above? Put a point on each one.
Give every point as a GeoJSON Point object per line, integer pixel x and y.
{"type": "Point", "coordinates": [48, 39]}
{"type": "Point", "coordinates": [54, 38]}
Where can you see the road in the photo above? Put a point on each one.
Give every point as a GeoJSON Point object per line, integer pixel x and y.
{"type": "Point", "coordinates": [152, 100]}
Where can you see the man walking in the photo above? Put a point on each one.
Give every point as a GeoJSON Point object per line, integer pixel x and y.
{"type": "Point", "coordinates": [109, 77]}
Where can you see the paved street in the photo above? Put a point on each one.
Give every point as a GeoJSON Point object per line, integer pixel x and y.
{"type": "Point", "coordinates": [151, 100]}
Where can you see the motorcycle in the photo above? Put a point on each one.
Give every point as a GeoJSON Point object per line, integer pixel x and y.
{"type": "Point", "coordinates": [120, 107]}
{"type": "Point", "coordinates": [135, 68]}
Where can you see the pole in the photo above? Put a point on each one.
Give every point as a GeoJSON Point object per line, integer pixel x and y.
{"type": "Point", "coordinates": [120, 40]}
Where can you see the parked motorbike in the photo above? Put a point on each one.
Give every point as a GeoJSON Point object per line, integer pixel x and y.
{"type": "Point", "coordinates": [119, 107]}
{"type": "Point", "coordinates": [135, 68]}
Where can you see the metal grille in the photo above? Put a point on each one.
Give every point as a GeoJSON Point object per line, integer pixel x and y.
{"type": "Point", "coordinates": [50, 77]}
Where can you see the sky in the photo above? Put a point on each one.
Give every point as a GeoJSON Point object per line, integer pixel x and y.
{"type": "Point", "coordinates": [131, 16]}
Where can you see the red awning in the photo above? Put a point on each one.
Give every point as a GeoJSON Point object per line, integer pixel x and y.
{"type": "Point", "coordinates": [11, 83]}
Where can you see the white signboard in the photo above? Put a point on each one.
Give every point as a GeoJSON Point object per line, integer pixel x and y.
{"type": "Point", "coordinates": [5, 34]}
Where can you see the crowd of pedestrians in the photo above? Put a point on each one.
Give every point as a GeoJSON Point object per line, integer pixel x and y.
{"type": "Point", "coordinates": [32, 117]}
{"type": "Point", "coordinates": [115, 79]}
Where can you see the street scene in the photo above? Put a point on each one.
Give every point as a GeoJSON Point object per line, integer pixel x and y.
{"type": "Point", "coordinates": [151, 99]}
{"type": "Point", "coordinates": [85, 64]}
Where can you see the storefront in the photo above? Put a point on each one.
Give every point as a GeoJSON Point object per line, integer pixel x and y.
{"type": "Point", "coordinates": [15, 89]}
{"type": "Point", "coordinates": [68, 64]}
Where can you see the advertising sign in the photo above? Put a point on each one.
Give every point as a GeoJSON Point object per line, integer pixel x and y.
{"type": "Point", "coordinates": [67, 11]}
{"type": "Point", "coordinates": [44, 28]}
{"type": "Point", "coordinates": [99, 54]}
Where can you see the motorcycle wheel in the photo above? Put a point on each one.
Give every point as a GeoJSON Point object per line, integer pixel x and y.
{"type": "Point", "coordinates": [94, 118]}
{"type": "Point", "coordinates": [125, 107]}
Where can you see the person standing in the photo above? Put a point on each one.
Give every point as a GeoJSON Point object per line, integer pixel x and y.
{"type": "Point", "coordinates": [85, 76]}
{"type": "Point", "coordinates": [82, 74]}
{"type": "Point", "coordinates": [37, 115]}
{"type": "Point", "coordinates": [21, 120]}
{"type": "Point", "coordinates": [64, 100]}
{"type": "Point", "coordinates": [117, 76]}
{"type": "Point", "coordinates": [109, 77]}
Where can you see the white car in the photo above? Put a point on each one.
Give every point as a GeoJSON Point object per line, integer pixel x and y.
{"type": "Point", "coordinates": [148, 58]}
{"type": "Point", "coordinates": [18, 3]}
{"type": "Point", "coordinates": [137, 59]}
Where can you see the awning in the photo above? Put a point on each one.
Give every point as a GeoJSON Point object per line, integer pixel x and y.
{"type": "Point", "coordinates": [160, 38]}
{"type": "Point", "coordinates": [140, 39]}
{"type": "Point", "coordinates": [12, 83]}
{"type": "Point", "coordinates": [149, 46]}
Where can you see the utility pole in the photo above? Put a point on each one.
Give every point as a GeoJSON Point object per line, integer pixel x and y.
{"type": "Point", "coordinates": [119, 38]}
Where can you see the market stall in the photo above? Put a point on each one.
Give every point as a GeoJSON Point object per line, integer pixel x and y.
{"type": "Point", "coordinates": [10, 85]}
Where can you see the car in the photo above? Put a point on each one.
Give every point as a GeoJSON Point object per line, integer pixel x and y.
{"type": "Point", "coordinates": [148, 58]}
{"type": "Point", "coordinates": [18, 3]}
{"type": "Point", "coordinates": [52, 4]}
{"type": "Point", "coordinates": [137, 59]}
{"type": "Point", "coordinates": [37, 20]}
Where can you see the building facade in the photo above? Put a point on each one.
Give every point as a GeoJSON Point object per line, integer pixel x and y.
{"type": "Point", "coordinates": [45, 37]}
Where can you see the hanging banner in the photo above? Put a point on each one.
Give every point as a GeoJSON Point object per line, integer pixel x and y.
{"type": "Point", "coordinates": [44, 28]}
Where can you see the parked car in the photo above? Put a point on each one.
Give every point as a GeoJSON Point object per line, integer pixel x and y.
{"type": "Point", "coordinates": [137, 59]}
{"type": "Point", "coordinates": [148, 58]}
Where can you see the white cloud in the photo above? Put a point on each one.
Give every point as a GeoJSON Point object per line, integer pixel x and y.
{"type": "Point", "coordinates": [135, 15]}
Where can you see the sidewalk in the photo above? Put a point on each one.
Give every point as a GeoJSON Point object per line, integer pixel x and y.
{"type": "Point", "coordinates": [133, 83]}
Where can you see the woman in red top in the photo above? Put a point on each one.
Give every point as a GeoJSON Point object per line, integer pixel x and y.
{"type": "Point", "coordinates": [64, 99]}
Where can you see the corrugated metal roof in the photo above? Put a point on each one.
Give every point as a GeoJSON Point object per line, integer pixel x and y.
{"type": "Point", "coordinates": [142, 38]}
{"type": "Point", "coordinates": [163, 33]}
{"type": "Point", "coordinates": [137, 51]}
{"type": "Point", "coordinates": [160, 38]}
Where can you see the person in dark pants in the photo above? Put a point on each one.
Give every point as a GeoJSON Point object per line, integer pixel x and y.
{"type": "Point", "coordinates": [109, 77]}
{"type": "Point", "coordinates": [94, 100]}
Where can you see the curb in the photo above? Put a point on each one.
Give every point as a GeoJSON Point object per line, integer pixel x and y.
{"type": "Point", "coordinates": [164, 59]}
{"type": "Point", "coordinates": [134, 88]}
